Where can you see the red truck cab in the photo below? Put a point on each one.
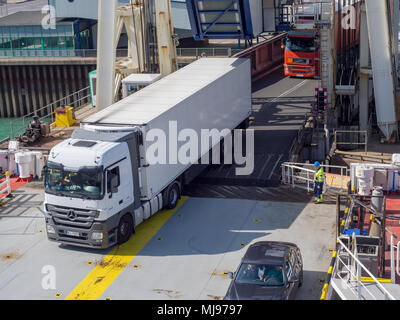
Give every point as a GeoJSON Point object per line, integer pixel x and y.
{"type": "Point", "coordinates": [302, 54]}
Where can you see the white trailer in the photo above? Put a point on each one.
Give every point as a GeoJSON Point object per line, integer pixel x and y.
{"type": "Point", "coordinates": [102, 182]}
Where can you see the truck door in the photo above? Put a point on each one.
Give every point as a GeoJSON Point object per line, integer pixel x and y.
{"type": "Point", "coordinates": [118, 186]}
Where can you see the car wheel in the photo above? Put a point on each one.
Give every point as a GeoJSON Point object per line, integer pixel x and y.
{"type": "Point", "coordinates": [125, 229]}
{"type": "Point", "coordinates": [301, 280]}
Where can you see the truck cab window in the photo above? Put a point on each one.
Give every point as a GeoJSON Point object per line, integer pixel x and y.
{"type": "Point", "coordinates": [83, 183]}
{"type": "Point", "coordinates": [110, 174]}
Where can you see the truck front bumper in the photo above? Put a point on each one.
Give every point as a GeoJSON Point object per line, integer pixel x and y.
{"type": "Point", "coordinates": [101, 235]}
{"type": "Point", "coordinates": [296, 70]}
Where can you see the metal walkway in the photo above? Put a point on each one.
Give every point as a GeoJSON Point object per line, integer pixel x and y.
{"type": "Point", "coordinates": [280, 105]}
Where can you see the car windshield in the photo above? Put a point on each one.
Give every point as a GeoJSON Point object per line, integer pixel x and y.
{"type": "Point", "coordinates": [84, 183]}
{"type": "Point", "coordinates": [299, 44]}
{"type": "Point", "coordinates": [260, 274]}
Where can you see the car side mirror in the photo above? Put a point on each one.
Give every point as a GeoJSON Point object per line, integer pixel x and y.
{"type": "Point", "coordinates": [230, 275]}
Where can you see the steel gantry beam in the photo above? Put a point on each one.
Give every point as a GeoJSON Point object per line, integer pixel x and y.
{"type": "Point", "coordinates": [382, 65]}
{"type": "Point", "coordinates": [106, 53]}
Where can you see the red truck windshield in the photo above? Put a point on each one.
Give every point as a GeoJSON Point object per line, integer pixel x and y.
{"type": "Point", "coordinates": [300, 44]}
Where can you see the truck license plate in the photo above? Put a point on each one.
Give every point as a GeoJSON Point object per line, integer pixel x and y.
{"type": "Point", "coordinates": [72, 233]}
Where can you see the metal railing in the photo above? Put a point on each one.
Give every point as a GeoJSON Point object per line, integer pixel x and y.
{"type": "Point", "coordinates": [60, 52]}
{"type": "Point", "coordinates": [46, 114]}
{"type": "Point", "coordinates": [299, 137]}
{"type": "Point", "coordinates": [209, 52]}
{"type": "Point", "coordinates": [364, 132]}
{"type": "Point", "coordinates": [319, 12]}
{"type": "Point", "coordinates": [348, 269]}
{"type": "Point", "coordinates": [297, 175]}
{"type": "Point", "coordinates": [394, 261]}
{"type": "Point", "coordinates": [5, 187]}
{"type": "Point", "coordinates": [92, 53]}
{"type": "Point", "coordinates": [5, 140]}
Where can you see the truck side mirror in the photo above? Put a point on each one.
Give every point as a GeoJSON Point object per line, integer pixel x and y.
{"type": "Point", "coordinates": [44, 172]}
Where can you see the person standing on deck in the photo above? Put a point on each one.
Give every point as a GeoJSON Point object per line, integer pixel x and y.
{"type": "Point", "coordinates": [318, 182]}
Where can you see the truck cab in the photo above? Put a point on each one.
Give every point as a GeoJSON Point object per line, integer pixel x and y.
{"type": "Point", "coordinates": [302, 54]}
{"type": "Point", "coordinates": [88, 188]}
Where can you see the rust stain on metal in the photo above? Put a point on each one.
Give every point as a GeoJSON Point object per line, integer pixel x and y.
{"type": "Point", "coordinates": [111, 263]}
{"type": "Point", "coordinates": [11, 256]}
{"type": "Point", "coordinates": [219, 273]}
{"type": "Point", "coordinates": [99, 279]}
{"type": "Point", "coordinates": [168, 293]}
{"type": "Point", "coordinates": [214, 297]}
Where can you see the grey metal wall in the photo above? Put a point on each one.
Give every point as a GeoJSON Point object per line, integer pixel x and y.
{"type": "Point", "coordinates": [85, 9]}
{"type": "Point", "coordinates": [88, 9]}
{"type": "Point", "coordinates": [26, 88]}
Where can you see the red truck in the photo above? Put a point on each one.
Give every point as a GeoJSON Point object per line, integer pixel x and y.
{"type": "Point", "coordinates": [302, 54]}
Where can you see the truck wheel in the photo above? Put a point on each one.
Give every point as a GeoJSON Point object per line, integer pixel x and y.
{"type": "Point", "coordinates": [172, 196]}
{"type": "Point", "coordinates": [125, 229]}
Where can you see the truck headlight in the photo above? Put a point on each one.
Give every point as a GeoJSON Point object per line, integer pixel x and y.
{"type": "Point", "coordinates": [97, 236]}
{"type": "Point", "coordinates": [50, 229]}
{"type": "Point", "coordinates": [49, 208]}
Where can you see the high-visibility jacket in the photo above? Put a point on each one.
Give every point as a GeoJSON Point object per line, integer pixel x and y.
{"type": "Point", "coordinates": [319, 175]}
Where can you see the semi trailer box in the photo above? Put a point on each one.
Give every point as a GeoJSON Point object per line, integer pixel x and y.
{"type": "Point", "coordinates": [210, 93]}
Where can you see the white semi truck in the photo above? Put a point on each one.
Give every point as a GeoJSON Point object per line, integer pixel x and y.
{"type": "Point", "coordinates": [100, 183]}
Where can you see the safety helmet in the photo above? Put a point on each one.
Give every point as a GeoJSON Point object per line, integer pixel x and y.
{"type": "Point", "coordinates": [316, 164]}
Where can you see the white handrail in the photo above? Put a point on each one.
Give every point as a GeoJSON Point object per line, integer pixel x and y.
{"type": "Point", "coordinates": [360, 265]}
{"type": "Point", "coordinates": [394, 263]}
{"type": "Point", "coordinates": [289, 176]}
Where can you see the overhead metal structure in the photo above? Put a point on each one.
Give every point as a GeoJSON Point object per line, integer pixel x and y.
{"type": "Point", "coordinates": [139, 19]}
{"type": "Point", "coordinates": [225, 19]}
{"type": "Point", "coordinates": [106, 53]}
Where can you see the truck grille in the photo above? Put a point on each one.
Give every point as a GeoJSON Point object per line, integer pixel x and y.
{"type": "Point", "coordinates": [299, 69]}
{"type": "Point", "coordinates": [69, 217]}
{"type": "Point", "coordinates": [302, 61]}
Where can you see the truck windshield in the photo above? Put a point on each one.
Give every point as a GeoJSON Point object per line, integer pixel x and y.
{"type": "Point", "coordinates": [299, 44]}
{"type": "Point", "coordinates": [84, 183]}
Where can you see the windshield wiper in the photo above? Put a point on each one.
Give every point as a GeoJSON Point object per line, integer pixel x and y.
{"type": "Point", "coordinates": [81, 195]}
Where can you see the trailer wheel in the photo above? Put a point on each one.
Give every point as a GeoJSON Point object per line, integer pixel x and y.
{"type": "Point", "coordinates": [172, 196]}
{"type": "Point", "coordinates": [125, 229]}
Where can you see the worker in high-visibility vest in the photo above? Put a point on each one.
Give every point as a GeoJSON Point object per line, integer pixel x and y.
{"type": "Point", "coordinates": [318, 182]}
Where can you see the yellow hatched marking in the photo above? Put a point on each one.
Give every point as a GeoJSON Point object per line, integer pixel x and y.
{"type": "Point", "coordinates": [101, 277]}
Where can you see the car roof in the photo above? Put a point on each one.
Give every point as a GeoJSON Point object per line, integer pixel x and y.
{"type": "Point", "coordinates": [267, 252]}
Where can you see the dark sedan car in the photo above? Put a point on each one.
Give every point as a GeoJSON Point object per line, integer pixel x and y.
{"type": "Point", "coordinates": [268, 271]}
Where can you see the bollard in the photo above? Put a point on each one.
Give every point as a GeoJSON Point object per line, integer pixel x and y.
{"type": "Point", "coordinates": [8, 189]}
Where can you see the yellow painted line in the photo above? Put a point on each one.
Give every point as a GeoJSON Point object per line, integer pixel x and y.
{"type": "Point", "coordinates": [101, 277]}
{"type": "Point", "coordinates": [324, 292]}
{"type": "Point", "coordinates": [334, 254]}
{"type": "Point", "coordinates": [369, 279]}
{"type": "Point", "coordinates": [346, 210]}
{"type": "Point", "coordinates": [343, 222]}
{"type": "Point", "coordinates": [330, 270]}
